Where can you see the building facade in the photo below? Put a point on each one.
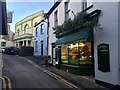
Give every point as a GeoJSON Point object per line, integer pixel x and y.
{"type": "Point", "coordinates": [60, 12]}
{"type": "Point", "coordinates": [106, 41]}
{"type": "Point", "coordinates": [7, 40]}
{"type": "Point", "coordinates": [102, 43]}
{"type": "Point", "coordinates": [41, 38]}
{"type": "Point", "coordinates": [24, 29]}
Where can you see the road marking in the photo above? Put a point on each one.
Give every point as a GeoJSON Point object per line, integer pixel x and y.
{"type": "Point", "coordinates": [51, 74]}
{"type": "Point", "coordinates": [9, 82]}
{"type": "Point", "coordinates": [4, 84]}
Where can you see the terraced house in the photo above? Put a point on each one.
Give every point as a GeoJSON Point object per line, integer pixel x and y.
{"type": "Point", "coordinates": [24, 29]}
{"type": "Point", "coordinates": [84, 39]}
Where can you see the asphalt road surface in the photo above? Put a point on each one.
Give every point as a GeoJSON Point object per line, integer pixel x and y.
{"type": "Point", "coordinates": [25, 75]}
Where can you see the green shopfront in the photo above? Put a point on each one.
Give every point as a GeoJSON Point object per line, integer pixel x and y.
{"type": "Point", "coordinates": [74, 44]}
{"type": "Point", "coordinates": [75, 52]}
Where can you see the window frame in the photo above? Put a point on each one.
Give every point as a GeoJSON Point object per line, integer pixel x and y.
{"type": "Point", "coordinates": [42, 28]}
{"type": "Point", "coordinates": [36, 46]}
{"type": "Point", "coordinates": [56, 18]}
{"type": "Point", "coordinates": [78, 56]}
{"type": "Point", "coordinates": [36, 31]}
{"type": "Point", "coordinates": [25, 28]}
{"type": "Point", "coordinates": [86, 4]}
{"type": "Point", "coordinates": [67, 10]}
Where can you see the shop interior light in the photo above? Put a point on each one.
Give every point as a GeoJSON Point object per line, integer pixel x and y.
{"type": "Point", "coordinates": [76, 45]}
{"type": "Point", "coordinates": [82, 45]}
{"type": "Point", "coordinates": [72, 46]}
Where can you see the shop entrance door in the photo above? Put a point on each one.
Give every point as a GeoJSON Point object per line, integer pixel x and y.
{"type": "Point", "coordinates": [53, 54]}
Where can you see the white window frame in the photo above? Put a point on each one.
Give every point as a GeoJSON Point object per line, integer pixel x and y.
{"type": "Point", "coordinates": [36, 31]}
{"type": "Point", "coordinates": [56, 18]}
{"type": "Point", "coordinates": [86, 4]}
{"type": "Point", "coordinates": [42, 28]}
{"type": "Point", "coordinates": [67, 10]}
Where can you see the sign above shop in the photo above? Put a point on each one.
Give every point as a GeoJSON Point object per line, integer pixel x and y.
{"type": "Point", "coordinates": [9, 17]}
{"type": "Point", "coordinates": [103, 57]}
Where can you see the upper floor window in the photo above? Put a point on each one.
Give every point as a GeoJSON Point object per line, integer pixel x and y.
{"type": "Point", "coordinates": [86, 4]}
{"type": "Point", "coordinates": [42, 28]}
{"type": "Point", "coordinates": [18, 31]}
{"type": "Point", "coordinates": [35, 23]}
{"type": "Point", "coordinates": [26, 28]}
{"type": "Point", "coordinates": [36, 31]}
{"type": "Point", "coordinates": [56, 19]}
{"type": "Point", "coordinates": [3, 44]}
{"type": "Point", "coordinates": [3, 37]}
{"type": "Point", "coordinates": [67, 10]}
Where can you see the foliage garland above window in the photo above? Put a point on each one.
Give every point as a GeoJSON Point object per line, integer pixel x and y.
{"type": "Point", "coordinates": [80, 21]}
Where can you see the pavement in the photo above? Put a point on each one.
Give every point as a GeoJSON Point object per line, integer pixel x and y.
{"type": "Point", "coordinates": [85, 82]}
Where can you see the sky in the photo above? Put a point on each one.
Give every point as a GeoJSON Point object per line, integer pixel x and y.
{"type": "Point", "coordinates": [23, 9]}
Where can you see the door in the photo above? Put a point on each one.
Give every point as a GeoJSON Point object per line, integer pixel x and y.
{"type": "Point", "coordinates": [41, 47]}
{"type": "Point", "coordinates": [53, 54]}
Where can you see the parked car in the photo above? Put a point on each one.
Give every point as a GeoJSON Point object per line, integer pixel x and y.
{"type": "Point", "coordinates": [2, 49]}
{"type": "Point", "coordinates": [11, 50]}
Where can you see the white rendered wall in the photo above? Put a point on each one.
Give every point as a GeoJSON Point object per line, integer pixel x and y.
{"type": "Point", "coordinates": [73, 6]}
{"type": "Point", "coordinates": [109, 22]}
{"type": "Point", "coordinates": [52, 38]}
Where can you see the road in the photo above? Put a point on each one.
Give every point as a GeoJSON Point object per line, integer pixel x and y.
{"type": "Point", "coordinates": [25, 75]}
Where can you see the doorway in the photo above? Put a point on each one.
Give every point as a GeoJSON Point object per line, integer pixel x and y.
{"type": "Point", "coordinates": [41, 48]}
{"type": "Point", "coordinates": [53, 54]}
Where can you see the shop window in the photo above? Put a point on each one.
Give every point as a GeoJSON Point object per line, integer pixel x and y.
{"type": "Point", "coordinates": [85, 52]}
{"type": "Point", "coordinates": [64, 54]}
{"type": "Point", "coordinates": [73, 54]}
{"type": "Point", "coordinates": [77, 53]}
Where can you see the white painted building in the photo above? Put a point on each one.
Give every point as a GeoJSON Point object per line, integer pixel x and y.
{"type": "Point", "coordinates": [60, 12]}
{"type": "Point", "coordinates": [41, 39]}
{"type": "Point", "coordinates": [106, 32]}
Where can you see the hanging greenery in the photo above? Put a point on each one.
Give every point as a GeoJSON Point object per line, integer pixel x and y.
{"type": "Point", "coordinates": [81, 20]}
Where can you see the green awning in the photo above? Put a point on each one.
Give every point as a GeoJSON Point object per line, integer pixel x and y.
{"type": "Point", "coordinates": [82, 35]}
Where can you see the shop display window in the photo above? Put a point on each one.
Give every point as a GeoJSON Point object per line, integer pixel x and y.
{"type": "Point", "coordinates": [85, 52]}
{"type": "Point", "coordinates": [76, 53]}
{"type": "Point", "coordinates": [64, 54]}
{"type": "Point", "coordinates": [73, 54]}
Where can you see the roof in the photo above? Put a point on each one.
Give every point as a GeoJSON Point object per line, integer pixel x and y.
{"type": "Point", "coordinates": [39, 22]}
{"type": "Point", "coordinates": [53, 7]}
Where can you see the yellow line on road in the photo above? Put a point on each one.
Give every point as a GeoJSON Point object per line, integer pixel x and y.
{"type": "Point", "coordinates": [9, 82]}
{"type": "Point", "coordinates": [4, 84]}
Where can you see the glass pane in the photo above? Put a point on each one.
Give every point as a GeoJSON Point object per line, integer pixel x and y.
{"type": "Point", "coordinates": [85, 52]}
{"type": "Point", "coordinates": [64, 54]}
{"type": "Point", "coordinates": [73, 54]}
